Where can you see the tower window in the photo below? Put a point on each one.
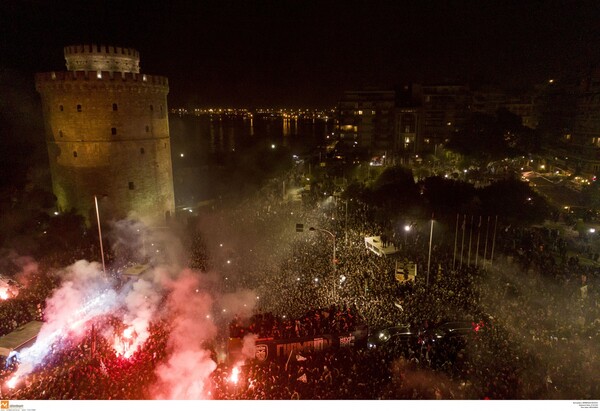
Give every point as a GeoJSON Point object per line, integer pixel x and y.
{"type": "Point", "coordinates": [113, 131]}
{"type": "Point", "coordinates": [115, 107]}
{"type": "Point", "coordinates": [61, 107]}
{"type": "Point", "coordinates": [142, 151]}
{"type": "Point", "coordinates": [147, 129]}
{"type": "Point", "coordinates": [151, 107]}
{"type": "Point", "coordinates": [131, 185]}
{"type": "Point", "coordinates": [79, 108]}
{"type": "Point", "coordinates": [60, 133]}
{"type": "Point", "coordinates": [74, 153]}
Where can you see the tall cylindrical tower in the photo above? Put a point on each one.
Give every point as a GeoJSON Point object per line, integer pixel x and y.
{"type": "Point", "coordinates": [107, 133]}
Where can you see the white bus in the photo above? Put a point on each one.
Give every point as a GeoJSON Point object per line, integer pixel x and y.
{"type": "Point", "coordinates": [375, 245]}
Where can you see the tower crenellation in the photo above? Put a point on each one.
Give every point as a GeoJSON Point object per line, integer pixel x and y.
{"type": "Point", "coordinates": [91, 57]}
{"type": "Point", "coordinates": [104, 78]}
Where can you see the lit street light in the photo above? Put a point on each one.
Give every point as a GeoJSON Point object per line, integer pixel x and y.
{"type": "Point", "coordinates": [406, 230]}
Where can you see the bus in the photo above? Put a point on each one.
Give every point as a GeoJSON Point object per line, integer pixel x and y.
{"type": "Point", "coordinates": [22, 337]}
{"type": "Point", "coordinates": [375, 245]}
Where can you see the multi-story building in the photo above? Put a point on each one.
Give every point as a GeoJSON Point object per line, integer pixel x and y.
{"type": "Point", "coordinates": [445, 108]}
{"type": "Point", "coordinates": [584, 146]}
{"type": "Point", "coordinates": [489, 99]}
{"type": "Point", "coordinates": [107, 134]}
{"type": "Point", "coordinates": [367, 117]}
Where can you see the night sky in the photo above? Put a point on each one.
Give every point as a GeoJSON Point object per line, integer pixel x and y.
{"type": "Point", "coordinates": [305, 53]}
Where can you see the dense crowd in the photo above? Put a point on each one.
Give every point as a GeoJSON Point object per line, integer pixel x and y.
{"type": "Point", "coordinates": [538, 304]}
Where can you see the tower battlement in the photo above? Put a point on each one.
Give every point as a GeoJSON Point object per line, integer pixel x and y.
{"type": "Point", "coordinates": [91, 57]}
{"type": "Point", "coordinates": [97, 78]}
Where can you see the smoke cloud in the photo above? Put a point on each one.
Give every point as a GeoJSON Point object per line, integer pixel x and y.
{"type": "Point", "coordinates": [184, 376]}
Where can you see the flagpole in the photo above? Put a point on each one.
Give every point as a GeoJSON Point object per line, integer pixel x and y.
{"type": "Point", "coordinates": [462, 247]}
{"type": "Point", "coordinates": [455, 241]}
{"type": "Point", "coordinates": [470, 238]}
{"type": "Point", "coordinates": [494, 241]}
{"type": "Point", "coordinates": [100, 234]}
{"type": "Point", "coordinates": [429, 259]}
{"type": "Point", "coordinates": [487, 231]}
{"type": "Point", "coordinates": [478, 235]}
{"type": "Point", "coordinates": [288, 360]}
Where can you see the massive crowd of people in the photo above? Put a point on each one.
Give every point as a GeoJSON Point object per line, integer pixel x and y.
{"type": "Point", "coordinates": [537, 302]}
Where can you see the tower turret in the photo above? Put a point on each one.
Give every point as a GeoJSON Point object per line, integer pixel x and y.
{"type": "Point", "coordinates": [90, 57]}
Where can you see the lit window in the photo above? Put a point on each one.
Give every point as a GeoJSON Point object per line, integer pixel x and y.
{"type": "Point", "coordinates": [113, 131]}
{"type": "Point", "coordinates": [99, 74]}
{"type": "Point", "coordinates": [360, 112]}
{"type": "Point", "coordinates": [115, 107]}
{"type": "Point", "coordinates": [131, 185]}
{"type": "Point", "coordinates": [144, 77]}
{"type": "Point", "coordinates": [79, 108]}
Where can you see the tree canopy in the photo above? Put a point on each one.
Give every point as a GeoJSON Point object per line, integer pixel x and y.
{"type": "Point", "coordinates": [492, 137]}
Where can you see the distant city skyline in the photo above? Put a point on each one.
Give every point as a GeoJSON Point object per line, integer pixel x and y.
{"type": "Point", "coordinates": [306, 53]}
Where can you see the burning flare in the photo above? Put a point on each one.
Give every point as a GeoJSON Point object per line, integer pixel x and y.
{"type": "Point", "coordinates": [12, 383]}
{"type": "Point", "coordinates": [235, 373]}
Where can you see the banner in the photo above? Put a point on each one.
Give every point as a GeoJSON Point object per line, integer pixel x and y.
{"type": "Point", "coordinates": [269, 349]}
{"type": "Point", "coordinates": [406, 271]}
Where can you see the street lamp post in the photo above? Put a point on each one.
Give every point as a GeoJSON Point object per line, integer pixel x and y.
{"type": "Point", "coordinates": [333, 291]}
{"type": "Point", "coordinates": [346, 224]}
{"type": "Point", "coordinates": [332, 236]}
{"type": "Point", "coordinates": [100, 234]}
{"type": "Point", "coordinates": [429, 258]}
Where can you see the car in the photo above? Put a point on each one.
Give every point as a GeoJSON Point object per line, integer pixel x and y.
{"type": "Point", "coordinates": [401, 333]}
{"type": "Point", "coordinates": [455, 329]}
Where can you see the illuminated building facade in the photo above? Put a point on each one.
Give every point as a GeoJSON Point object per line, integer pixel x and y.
{"type": "Point", "coordinates": [367, 117]}
{"type": "Point", "coordinates": [107, 134]}
{"type": "Point", "coordinates": [444, 108]}
{"type": "Point", "coordinates": [584, 146]}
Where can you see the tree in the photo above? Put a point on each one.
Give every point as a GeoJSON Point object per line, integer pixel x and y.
{"type": "Point", "coordinates": [395, 191]}
{"type": "Point", "coordinates": [447, 196]}
{"type": "Point", "coordinates": [515, 201]}
{"type": "Point", "coordinates": [491, 138]}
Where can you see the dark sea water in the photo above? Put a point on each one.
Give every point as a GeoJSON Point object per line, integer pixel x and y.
{"type": "Point", "coordinates": [215, 157]}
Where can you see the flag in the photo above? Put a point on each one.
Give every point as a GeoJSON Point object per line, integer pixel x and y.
{"type": "Point", "coordinates": [303, 378]}
{"type": "Point", "coordinates": [584, 292]}
{"type": "Point", "coordinates": [103, 368]}
{"type": "Point", "coordinates": [300, 358]}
